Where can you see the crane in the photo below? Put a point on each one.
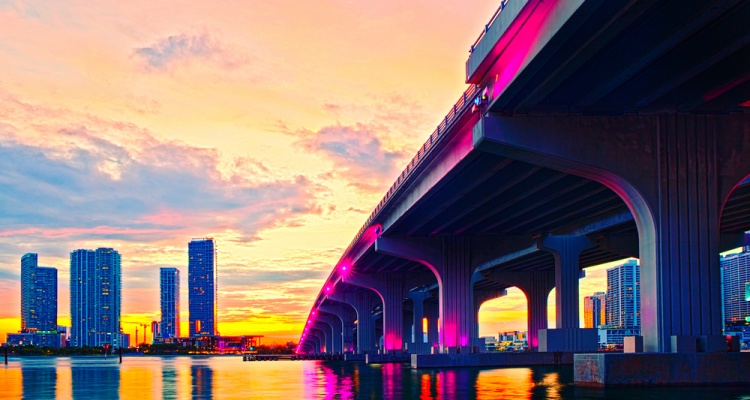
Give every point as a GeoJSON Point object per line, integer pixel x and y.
{"type": "Point", "coordinates": [145, 332]}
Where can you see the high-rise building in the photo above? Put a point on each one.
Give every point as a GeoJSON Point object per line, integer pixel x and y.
{"type": "Point", "coordinates": [623, 305]}
{"type": "Point", "coordinates": [169, 282]}
{"type": "Point", "coordinates": [624, 295]}
{"type": "Point", "coordinates": [595, 310]}
{"type": "Point", "coordinates": [95, 297]}
{"type": "Point", "coordinates": [46, 299]}
{"type": "Point", "coordinates": [735, 282]}
{"type": "Point", "coordinates": [38, 296]}
{"type": "Point", "coordinates": [28, 288]}
{"type": "Point", "coordinates": [202, 264]}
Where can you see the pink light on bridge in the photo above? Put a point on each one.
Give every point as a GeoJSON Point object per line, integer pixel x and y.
{"type": "Point", "coordinates": [520, 43]}
{"type": "Point", "coordinates": [392, 342]}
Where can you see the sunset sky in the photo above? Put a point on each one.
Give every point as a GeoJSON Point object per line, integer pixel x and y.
{"type": "Point", "coordinates": [274, 127]}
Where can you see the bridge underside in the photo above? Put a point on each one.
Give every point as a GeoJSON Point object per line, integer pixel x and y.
{"type": "Point", "coordinates": [624, 123]}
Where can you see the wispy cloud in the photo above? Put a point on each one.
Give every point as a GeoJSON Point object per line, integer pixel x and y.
{"type": "Point", "coordinates": [185, 48]}
{"type": "Point", "coordinates": [357, 154]}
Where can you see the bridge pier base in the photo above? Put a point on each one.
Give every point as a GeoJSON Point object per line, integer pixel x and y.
{"type": "Point", "coordinates": [638, 369]}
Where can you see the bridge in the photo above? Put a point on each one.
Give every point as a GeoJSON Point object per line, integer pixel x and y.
{"type": "Point", "coordinates": [590, 131]}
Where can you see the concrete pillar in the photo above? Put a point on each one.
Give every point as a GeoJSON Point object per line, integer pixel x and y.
{"type": "Point", "coordinates": [453, 260]}
{"type": "Point", "coordinates": [393, 313]}
{"type": "Point", "coordinates": [432, 312]}
{"type": "Point", "coordinates": [374, 318]}
{"type": "Point", "coordinates": [674, 172]}
{"type": "Point", "coordinates": [392, 288]}
{"type": "Point", "coordinates": [347, 315]}
{"type": "Point", "coordinates": [363, 303]}
{"type": "Point", "coordinates": [315, 339]}
{"type": "Point", "coordinates": [417, 298]}
{"type": "Point", "coordinates": [336, 332]}
{"type": "Point", "coordinates": [406, 337]}
{"type": "Point", "coordinates": [326, 342]}
{"type": "Point", "coordinates": [566, 250]}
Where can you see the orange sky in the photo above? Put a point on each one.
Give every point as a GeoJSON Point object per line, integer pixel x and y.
{"type": "Point", "coordinates": [274, 127]}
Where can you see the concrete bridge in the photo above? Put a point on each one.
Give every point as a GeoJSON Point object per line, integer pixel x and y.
{"type": "Point", "coordinates": [591, 131]}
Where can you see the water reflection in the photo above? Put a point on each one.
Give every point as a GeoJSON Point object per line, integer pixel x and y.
{"type": "Point", "coordinates": [203, 381]}
{"type": "Point", "coordinates": [31, 378]}
{"type": "Point", "coordinates": [229, 377]}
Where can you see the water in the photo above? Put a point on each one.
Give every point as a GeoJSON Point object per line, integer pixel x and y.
{"type": "Point", "coordinates": [231, 378]}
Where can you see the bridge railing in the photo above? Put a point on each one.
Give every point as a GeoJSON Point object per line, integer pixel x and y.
{"type": "Point", "coordinates": [488, 25]}
{"type": "Point", "coordinates": [463, 103]}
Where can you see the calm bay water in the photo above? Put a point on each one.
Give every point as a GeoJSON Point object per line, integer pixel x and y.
{"type": "Point", "coordinates": [231, 378]}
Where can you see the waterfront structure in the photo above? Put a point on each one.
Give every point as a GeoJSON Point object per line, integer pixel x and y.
{"type": "Point", "coordinates": [595, 310]}
{"type": "Point", "coordinates": [95, 297]}
{"type": "Point", "coordinates": [522, 153]}
{"type": "Point", "coordinates": [38, 296]}
{"type": "Point", "coordinates": [169, 284]}
{"type": "Point", "coordinates": [37, 339]}
{"type": "Point", "coordinates": [202, 274]}
{"type": "Point", "coordinates": [735, 294]}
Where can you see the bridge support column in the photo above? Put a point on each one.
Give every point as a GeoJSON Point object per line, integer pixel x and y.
{"type": "Point", "coordinates": [674, 172]}
{"type": "Point", "coordinates": [336, 329]}
{"type": "Point", "coordinates": [327, 342]}
{"type": "Point", "coordinates": [417, 298]}
{"type": "Point", "coordinates": [392, 289]}
{"type": "Point", "coordinates": [566, 250]}
{"type": "Point", "coordinates": [346, 315]}
{"type": "Point", "coordinates": [318, 340]}
{"type": "Point", "coordinates": [363, 303]}
{"type": "Point", "coordinates": [453, 260]}
{"type": "Point", "coordinates": [536, 285]}
{"type": "Point", "coordinates": [432, 312]}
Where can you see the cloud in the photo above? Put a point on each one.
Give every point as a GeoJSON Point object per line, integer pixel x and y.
{"type": "Point", "coordinates": [184, 48]}
{"type": "Point", "coordinates": [357, 154]}
{"type": "Point", "coordinates": [94, 187]}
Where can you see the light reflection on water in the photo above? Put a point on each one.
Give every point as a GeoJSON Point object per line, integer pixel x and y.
{"type": "Point", "coordinates": [231, 378]}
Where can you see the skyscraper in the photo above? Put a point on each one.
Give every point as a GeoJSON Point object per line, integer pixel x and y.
{"type": "Point", "coordinates": [28, 288]}
{"type": "Point", "coordinates": [594, 310]}
{"type": "Point", "coordinates": [46, 299]}
{"type": "Point", "coordinates": [624, 295]}
{"type": "Point", "coordinates": [623, 302]}
{"type": "Point", "coordinates": [38, 296]}
{"type": "Point", "coordinates": [735, 293]}
{"type": "Point", "coordinates": [202, 287]}
{"type": "Point", "coordinates": [169, 282]}
{"type": "Point", "coordinates": [95, 297]}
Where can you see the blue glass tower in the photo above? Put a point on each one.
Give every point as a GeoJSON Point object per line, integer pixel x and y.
{"type": "Point", "coordinates": [38, 295]}
{"type": "Point", "coordinates": [95, 297]}
{"type": "Point", "coordinates": [169, 282]}
{"type": "Point", "coordinates": [28, 289]}
{"type": "Point", "coordinates": [46, 299]}
{"type": "Point", "coordinates": [202, 287]}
